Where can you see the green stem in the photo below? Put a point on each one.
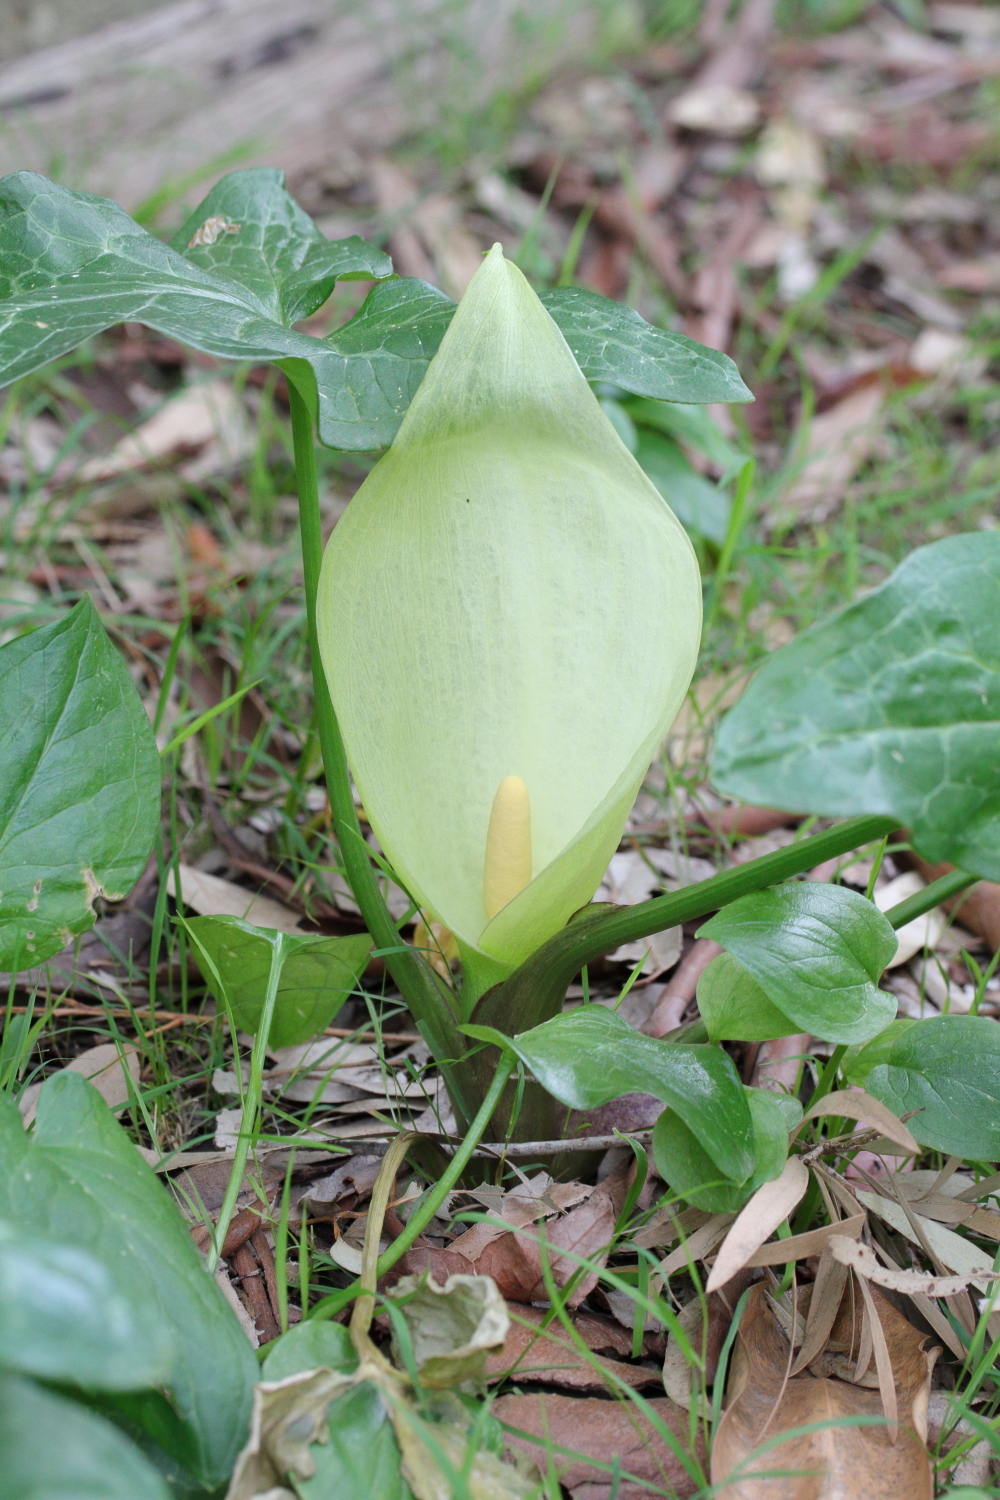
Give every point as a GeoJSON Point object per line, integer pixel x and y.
{"type": "Point", "coordinates": [330, 1306]}
{"type": "Point", "coordinates": [251, 1101]}
{"type": "Point", "coordinates": [535, 991]}
{"type": "Point", "coordinates": [932, 895]}
{"type": "Point", "coordinates": [416, 980]}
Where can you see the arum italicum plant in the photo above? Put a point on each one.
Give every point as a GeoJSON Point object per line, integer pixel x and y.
{"type": "Point", "coordinates": [509, 616]}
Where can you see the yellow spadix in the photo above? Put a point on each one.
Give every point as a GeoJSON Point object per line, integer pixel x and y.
{"type": "Point", "coordinates": [509, 619]}
{"type": "Point", "coordinates": [507, 866]}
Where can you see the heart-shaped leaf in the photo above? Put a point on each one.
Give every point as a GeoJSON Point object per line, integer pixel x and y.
{"type": "Point", "coordinates": [817, 951]}
{"type": "Point", "coordinates": [78, 1179]}
{"type": "Point", "coordinates": [590, 1056]}
{"type": "Point", "coordinates": [947, 1068]}
{"type": "Point", "coordinates": [683, 1163]}
{"type": "Point", "coordinates": [317, 975]}
{"type": "Point", "coordinates": [80, 792]}
{"type": "Point", "coordinates": [734, 1007]}
{"type": "Point", "coordinates": [66, 1315]}
{"type": "Point", "coordinates": [892, 706]}
{"type": "Point", "coordinates": [54, 1449]}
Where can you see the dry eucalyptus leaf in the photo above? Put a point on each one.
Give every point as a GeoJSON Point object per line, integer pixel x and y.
{"type": "Point", "coordinates": [770, 1206]}
{"type": "Point", "coordinates": [855, 1104]}
{"type": "Point", "coordinates": [697, 1245]}
{"type": "Point", "coordinates": [862, 1259]}
{"type": "Point", "coordinates": [811, 1242]}
{"type": "Point", "coordinates": [451, 1327]}
{"type": "Point", "coordinates": [831, 1463]}
{"type": "Point", "coordinates": [953, 1250]}
{"type": "Point", "coordinates": [682, 1379]}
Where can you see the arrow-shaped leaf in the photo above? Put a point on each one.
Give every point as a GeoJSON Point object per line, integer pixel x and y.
{"type": "Point", "coordinates": [245, 267]}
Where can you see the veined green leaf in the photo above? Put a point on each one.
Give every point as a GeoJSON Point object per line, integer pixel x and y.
{"type": "Point", "coordinates": [817, 952]}
{"type": "Point", "coordinates": [249, 230]}
{"type": "Point", "coordinates": [590, 1056]}
{"type": "Point", "coordinates": [54, 1449]}
{"type": "Point", "coordinates": [892, 706]}
{"type": "Point", "coordinates": [245, 267]}
{"type": "Point", "coordinates": [78, 1178]}
{"type": "Point", "coordinates": [80, 792]}
{"type": "Point", "coordinates": [612, 342]}
{"type": "Point", "coordinates": [507, 596]}
{"type": "Point", "coordinates": [948, 1069]}
{"type": "Point", "coordinates": [685, 1165]}
{"type": "Point", "coordinates": [66, 1315]}
{"type": "Point", "coordinates": [317, 976]}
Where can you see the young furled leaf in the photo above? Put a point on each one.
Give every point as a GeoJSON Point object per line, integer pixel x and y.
{"type": "Point", "coordinates": [509, 616]}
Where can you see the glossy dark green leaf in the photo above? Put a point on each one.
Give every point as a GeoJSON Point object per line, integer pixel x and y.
{"type": "Point", "coordinates": [79, 1179]}
{"type": "Point", "coordinates": [817, 951]}
{"type": "Point", "coordinates": [613, 343]}
{"type": "Point", "coordinates": [892, 706]}
{"type": "Point", "coordinates": [308, 1346]}
{"type": "Point", "coordinates": [317, 976]}
{"type": "Point", "coordinates": [54, 1449]}
{"type": "Point", "coordinates": [697, 503]}
{"type": "Point", "coordinates": [368, 371]}
{"type": "Point", "coordinates": [72, 264]}
{"type": "Point", "coordinates": [687, 1168]}
{"type": "Point", "coordinates": [735, 1008]}
{"type": "Point", "coordinates": [80, 790]}
{"type": "Point", "coordinates": [948, 1068]}
{"type": "Point", "coordinates": [361, 1457]}
{"type": "Point", "coordinates": [590, 1056]}
{"type": "Point", "coordinates": [66, 1315]}
{"type": "Point", "coordinates": [251, 231]}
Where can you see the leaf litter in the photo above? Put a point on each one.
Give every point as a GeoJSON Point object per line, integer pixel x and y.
{"type": "Point", "coordinates": [907, 309]}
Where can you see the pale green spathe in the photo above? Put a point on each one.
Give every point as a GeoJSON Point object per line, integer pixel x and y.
{"type": "Point", "coordinates": [506, 595]}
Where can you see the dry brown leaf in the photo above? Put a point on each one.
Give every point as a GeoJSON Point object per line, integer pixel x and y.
{"type": "Point", "coordinates": [199, 415]}
{"type": "Point", "coordinates": [855, 1104]}
{"type": "Point", "coordinates": [953, 1250]}
{"type": "Point", "coordinates": [824, 1305]}
{"type": "Point", "coordinates": [798, 1246]}
{"type": "Point", "coordinates": [923, 932]}
{"type": "Point", "coordinates": [697, 1245]}
{"type": "Point", "coordinates": [211, 896]}
{"type": "Point", "coordinates": [838, 442]}
{"type": "Point", "coordinates": [832, 1463]}
{"type": "Point", "coordinates": [861, 1258]}
{"type": "Point", "coordinates": [513, 1259]}
{"type": "Point", "coordinates": [102, 1067]}
{"type": "Point", "coordinates": [552, 1357]}
{"type": "Point", "coordinates": [770, 1206]}
{"type": "Point", "coordinates": [600, 1432]}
